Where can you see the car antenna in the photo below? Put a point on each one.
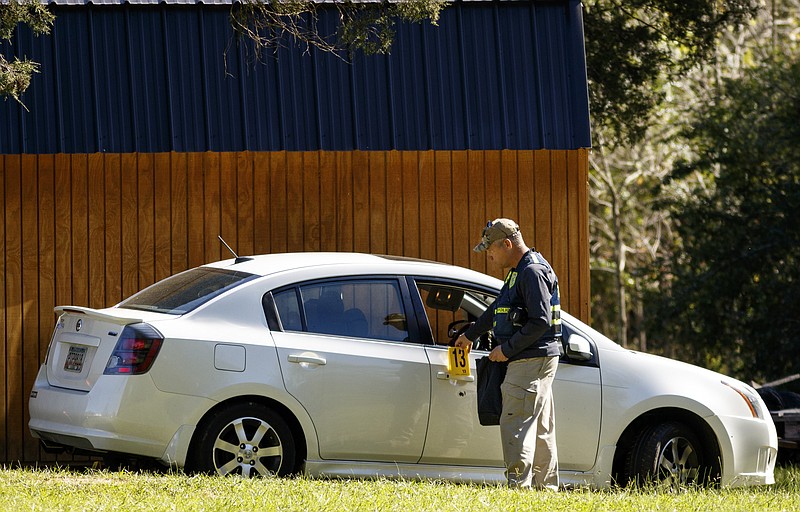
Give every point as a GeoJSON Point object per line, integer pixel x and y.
{"type": "Point", "coordinates": [239, 259]}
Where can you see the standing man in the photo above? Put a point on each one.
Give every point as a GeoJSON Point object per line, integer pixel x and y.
{"type": "Point", "coordinates": [526, 323]}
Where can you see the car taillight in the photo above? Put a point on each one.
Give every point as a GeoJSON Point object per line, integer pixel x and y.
{"type": "Point", "coordinates": [135, 352]}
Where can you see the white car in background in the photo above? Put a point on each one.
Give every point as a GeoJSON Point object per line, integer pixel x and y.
{"type": "Point", "coordinates": [336, 365]}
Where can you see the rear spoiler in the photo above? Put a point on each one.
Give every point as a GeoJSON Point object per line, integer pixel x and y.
{"type": "Point", "coordinates": [97, 315]}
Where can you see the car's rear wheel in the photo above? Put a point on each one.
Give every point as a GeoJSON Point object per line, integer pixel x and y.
{"type": "Point", "coordinates": [247, 439]}
{"type": "Point", "coordinates": [666, 454]}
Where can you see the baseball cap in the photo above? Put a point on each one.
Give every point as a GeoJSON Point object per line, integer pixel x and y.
{"type": "Point", "coordinates": [495, 230]}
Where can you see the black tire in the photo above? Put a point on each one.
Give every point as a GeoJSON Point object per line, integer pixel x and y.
{"type": "Point", "coordinates": [247, 439]}
{"type": "Point", "coordinates": [666, 454]}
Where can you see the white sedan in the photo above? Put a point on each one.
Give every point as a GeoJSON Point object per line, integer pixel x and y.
{"type": "Point", "coordinates": [336, 365]}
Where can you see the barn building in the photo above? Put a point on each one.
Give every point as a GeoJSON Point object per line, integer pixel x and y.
{"type": "Point", "coordinates": [150, 130]}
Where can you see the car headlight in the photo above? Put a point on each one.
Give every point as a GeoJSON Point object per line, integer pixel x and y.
{"type": "Point", "coordinates": [749, 396]}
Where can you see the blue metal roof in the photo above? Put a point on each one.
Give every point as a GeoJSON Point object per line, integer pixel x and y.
{"type": "Point", "coordinates": [134, 78]}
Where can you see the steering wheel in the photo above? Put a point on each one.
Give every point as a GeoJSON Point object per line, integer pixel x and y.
{"type": "Point", "coordinates": [456, 329]}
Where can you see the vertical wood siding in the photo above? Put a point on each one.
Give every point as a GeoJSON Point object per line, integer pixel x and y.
{"type": "Point", "coordinates": [91, 229]}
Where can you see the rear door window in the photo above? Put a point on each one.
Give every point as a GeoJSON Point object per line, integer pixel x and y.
{"type": "Point", "coordinates": [288, 307]}
{"type": "Point", "coordinates": [369, 308]}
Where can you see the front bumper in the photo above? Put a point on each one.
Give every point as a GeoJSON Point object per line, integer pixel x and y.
{"type": "Point", "coordinates": [749, 450]}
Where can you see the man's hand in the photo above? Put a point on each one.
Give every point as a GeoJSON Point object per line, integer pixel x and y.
{"type": "Point", "coordinates": [464, 342]}
{"type": "Point", "coordinates": [497, 355]}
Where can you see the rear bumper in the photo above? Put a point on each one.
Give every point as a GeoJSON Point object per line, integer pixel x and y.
{"type": "Point", "coordinates": [125, 414]}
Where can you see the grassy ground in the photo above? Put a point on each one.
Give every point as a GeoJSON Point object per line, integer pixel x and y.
{"type": "Point", "coordinates": [68, 490]}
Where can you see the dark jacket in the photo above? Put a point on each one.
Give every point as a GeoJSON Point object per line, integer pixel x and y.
{"type": "Point", "coordinates": [532, 289]}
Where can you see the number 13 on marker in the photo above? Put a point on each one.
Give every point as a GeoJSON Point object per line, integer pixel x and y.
{"type": "Point", "coordinates": [458, 361]}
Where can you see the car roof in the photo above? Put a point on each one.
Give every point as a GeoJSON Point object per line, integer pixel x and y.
{"type": "Point", "coordinates": [269, 264]}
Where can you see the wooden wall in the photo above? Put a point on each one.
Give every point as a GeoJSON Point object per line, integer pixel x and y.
{"type": "Point", "coordinates": [91, 229]}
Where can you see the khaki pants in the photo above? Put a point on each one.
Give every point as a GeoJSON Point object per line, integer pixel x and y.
{"type": "Point", "coordinates": [528, 423]}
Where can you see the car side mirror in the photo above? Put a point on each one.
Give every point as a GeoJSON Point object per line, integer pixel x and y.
{"type": "Point", "coordinates": [579, 348]}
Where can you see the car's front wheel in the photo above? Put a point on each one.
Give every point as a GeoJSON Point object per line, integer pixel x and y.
{"type": "Point", "coordinates": [247, 439]}
{"type": "Point", "coordinates": [666, 454]}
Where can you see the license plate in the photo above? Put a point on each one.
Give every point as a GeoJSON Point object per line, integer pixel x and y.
{"type": "Point", "coordinates": [458, 361]}
{"type": "Point", "coordinates": [75, 357]}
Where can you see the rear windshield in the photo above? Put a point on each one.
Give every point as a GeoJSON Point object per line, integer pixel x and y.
{"type": "Point", "coordinates": [186, 291]}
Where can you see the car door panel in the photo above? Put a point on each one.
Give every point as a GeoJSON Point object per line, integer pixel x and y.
{"type": "Point", "coordinates": [454, 434]}
{"type": "Point", "coordinates": [368, 399]}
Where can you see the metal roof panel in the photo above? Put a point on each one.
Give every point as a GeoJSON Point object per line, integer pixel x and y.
{"type": "Point", "coordinates": [132, 78]}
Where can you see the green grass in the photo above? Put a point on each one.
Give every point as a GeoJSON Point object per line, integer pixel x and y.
{"type": "Point", "coordinates": [63, 489]}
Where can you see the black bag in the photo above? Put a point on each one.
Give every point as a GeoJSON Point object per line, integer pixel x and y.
{"type": "Point", "coordinates": [490, 399]}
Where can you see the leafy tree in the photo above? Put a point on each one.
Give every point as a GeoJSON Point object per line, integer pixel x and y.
{"type": "Point", "coordinates": [634, 47]}
{"type": "Point", "coordinates": [630, 228]}
{"type": "Point", "coordinates": [15, 76]}
{"type": "Point", "coordinates": [365, 26]}
{"type": "Point", "coordinates": [735, 283]}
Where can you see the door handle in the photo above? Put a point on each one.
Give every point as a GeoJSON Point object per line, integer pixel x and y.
{"type": "Point", "coordinates": [297, 358]}
{"type": "Point", "coordinates": [447, 376]}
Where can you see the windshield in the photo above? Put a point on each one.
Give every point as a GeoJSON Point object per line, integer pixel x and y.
{"type": "Point", "coordinates": [186, 291]}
